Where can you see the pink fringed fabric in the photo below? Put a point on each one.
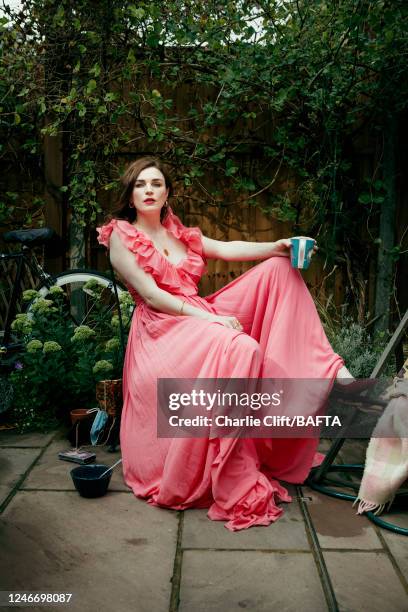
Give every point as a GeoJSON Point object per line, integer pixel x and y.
{"type": "Point", "coordinates": [386, 465]}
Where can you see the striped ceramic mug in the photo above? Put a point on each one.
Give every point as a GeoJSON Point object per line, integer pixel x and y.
{"type": "Point", "coordinates": [301, 251]}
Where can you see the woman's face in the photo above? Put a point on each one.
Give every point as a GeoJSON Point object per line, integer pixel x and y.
{"type": "Point", "coordinates": [149, 191]}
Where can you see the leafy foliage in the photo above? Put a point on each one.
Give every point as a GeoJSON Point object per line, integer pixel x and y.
{"type": "Point", "coordinates": [360, 349]}
{"type": "Point", "coordinates": [278, 93]}
{"type": "Point", "coordinates": [60, 363]}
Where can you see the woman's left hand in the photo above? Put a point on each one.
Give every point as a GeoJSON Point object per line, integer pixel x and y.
{"type": "Point", "coordinates": [282, 247]}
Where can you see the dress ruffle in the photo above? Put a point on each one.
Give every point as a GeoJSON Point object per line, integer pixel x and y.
{"type": "Point", "coordinates": [257, 507]}
{"type": "Point", "coordinates": [167, 275]}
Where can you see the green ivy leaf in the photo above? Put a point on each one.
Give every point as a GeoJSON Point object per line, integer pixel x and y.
{"type": "Point", "coordinates": [365, 198]}
{"type": "Point", "coordinates": [81, 108]}
{"type": "Point", "coordinates": [230, 168]}
{"type": "Point", "coordinates": [95, 70]}
{"type": "Point", "coordinates": [138, 13]}
{"type": "Point", "coordinates": [110, 96]}
{"type": "Point", "coordinates": [91, 86]}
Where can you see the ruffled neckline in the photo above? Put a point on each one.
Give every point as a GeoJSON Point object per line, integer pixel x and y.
{"type": "Point", "coordinates": [182, 276]}
{"type": "Point", "coordinates": [172, 226]}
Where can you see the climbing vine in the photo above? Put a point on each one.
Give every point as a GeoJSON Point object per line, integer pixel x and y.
{"type": "Point", "coordinates": [289, 85]}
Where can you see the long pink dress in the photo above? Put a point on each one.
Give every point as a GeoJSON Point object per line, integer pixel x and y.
{"type": "Point", "coordinates": [236, 478]}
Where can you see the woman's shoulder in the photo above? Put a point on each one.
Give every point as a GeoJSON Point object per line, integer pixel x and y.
{"type": "Point", "coordinates": [105, 231]}
{"type": "Point", "coordinates": [190, 235]}
{"type": "Point", "coordinates": [132, 238]}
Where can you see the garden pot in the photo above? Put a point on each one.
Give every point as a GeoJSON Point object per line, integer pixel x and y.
{"type": "Point", "coordinates": [81, 419]}
{"type": "Point", "coordinates": [79, 414]}
{"type": "Point", "coordinates": [109, 396]}
{"type": "Point", "coordinates": [87, 482]}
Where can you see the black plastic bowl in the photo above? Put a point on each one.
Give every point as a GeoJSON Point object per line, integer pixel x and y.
{"type": "Point", "coordinates": [87, 482]}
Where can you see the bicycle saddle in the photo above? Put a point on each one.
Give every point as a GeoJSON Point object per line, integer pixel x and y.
{"type": "Point", "coordinates": [31, 237]}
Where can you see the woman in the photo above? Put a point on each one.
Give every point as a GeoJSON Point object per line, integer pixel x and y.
{"type": "Point", "coordinates": [262, 324]}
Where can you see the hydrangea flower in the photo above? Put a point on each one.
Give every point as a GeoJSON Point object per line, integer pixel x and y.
{"type": "Point", "coordinates": [83, 333]}
{"type": "Point", "coordinates": [51, 347]}
{"type": "Point", "coordinates": [29, 294]}
{"type": "Point", "coordinates": [41, 305]}
{"type": "Point", "coordinates": [93, 287]}
{"type": "Point", "coordinates": [112, 344]}
{"type": "Point", "coordinates": [22, 317]}
{"type": "Point", "coordinates": [34, 345]}
{"type": "Point", "coordinates": [127, 304]}
{"type": "Point", "coordinates": [102, 367]}
{"type": "Point", "coordinates": [55, 290]}
{"type": "Point", "coordinates": [22, 324]}
{"type": "Point", "coordinates": [126, 299]}
{"type": "Point", "coordinates": [115, 321]}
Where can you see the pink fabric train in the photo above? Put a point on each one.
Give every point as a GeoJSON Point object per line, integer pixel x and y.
{"type": "Point", "coordinates": [236, 478]}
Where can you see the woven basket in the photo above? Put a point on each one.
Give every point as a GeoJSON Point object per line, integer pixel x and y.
{"type": "Point", "coordinates": [109, 396]}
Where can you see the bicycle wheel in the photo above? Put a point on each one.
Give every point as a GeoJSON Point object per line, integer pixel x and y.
{"type": "Point", "coordinates": [88, 302]}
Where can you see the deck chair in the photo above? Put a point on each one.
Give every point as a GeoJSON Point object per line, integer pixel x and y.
{"type": "Point", "coordinates": [327, 477]}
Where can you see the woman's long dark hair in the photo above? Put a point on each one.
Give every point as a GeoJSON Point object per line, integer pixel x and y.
{"type": "Point", "coordinates": [128, 179]}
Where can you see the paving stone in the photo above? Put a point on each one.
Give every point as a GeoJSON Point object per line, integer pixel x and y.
{"type": "Point", "coordinates": [10, 437]}
{"type": "Point", "coordinates": [365, 581]}
{"type": "Point", "coordinates": [398, 544]}
{"type": "Point", "coordinates": [53, 473]}
{"type": "Point", "coordinates": [337, 524]}
{"type": "Point", "coordinates": [220, 581]}
{"type": "Point", "coordinates": [112, 553]}
{"type": "Point", "coordinates": [14, 462]}
{"type": "Point", "coordinates": [287, 533]}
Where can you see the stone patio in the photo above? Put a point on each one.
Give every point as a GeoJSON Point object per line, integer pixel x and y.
{"type": "Point", "coordinates": [119, 553]}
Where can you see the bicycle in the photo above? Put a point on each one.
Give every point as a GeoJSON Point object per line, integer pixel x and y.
{"type": "Point", "coordinates": [79, 302]}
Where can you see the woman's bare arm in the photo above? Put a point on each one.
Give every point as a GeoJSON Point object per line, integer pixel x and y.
{"type": "Point", "coordinates": [240, 250]}
{"type": "Point", "coordinates": [125, 263]}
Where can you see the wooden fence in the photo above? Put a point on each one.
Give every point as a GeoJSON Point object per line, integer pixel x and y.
{"type": "Point", "coordinates": [327, 286]}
